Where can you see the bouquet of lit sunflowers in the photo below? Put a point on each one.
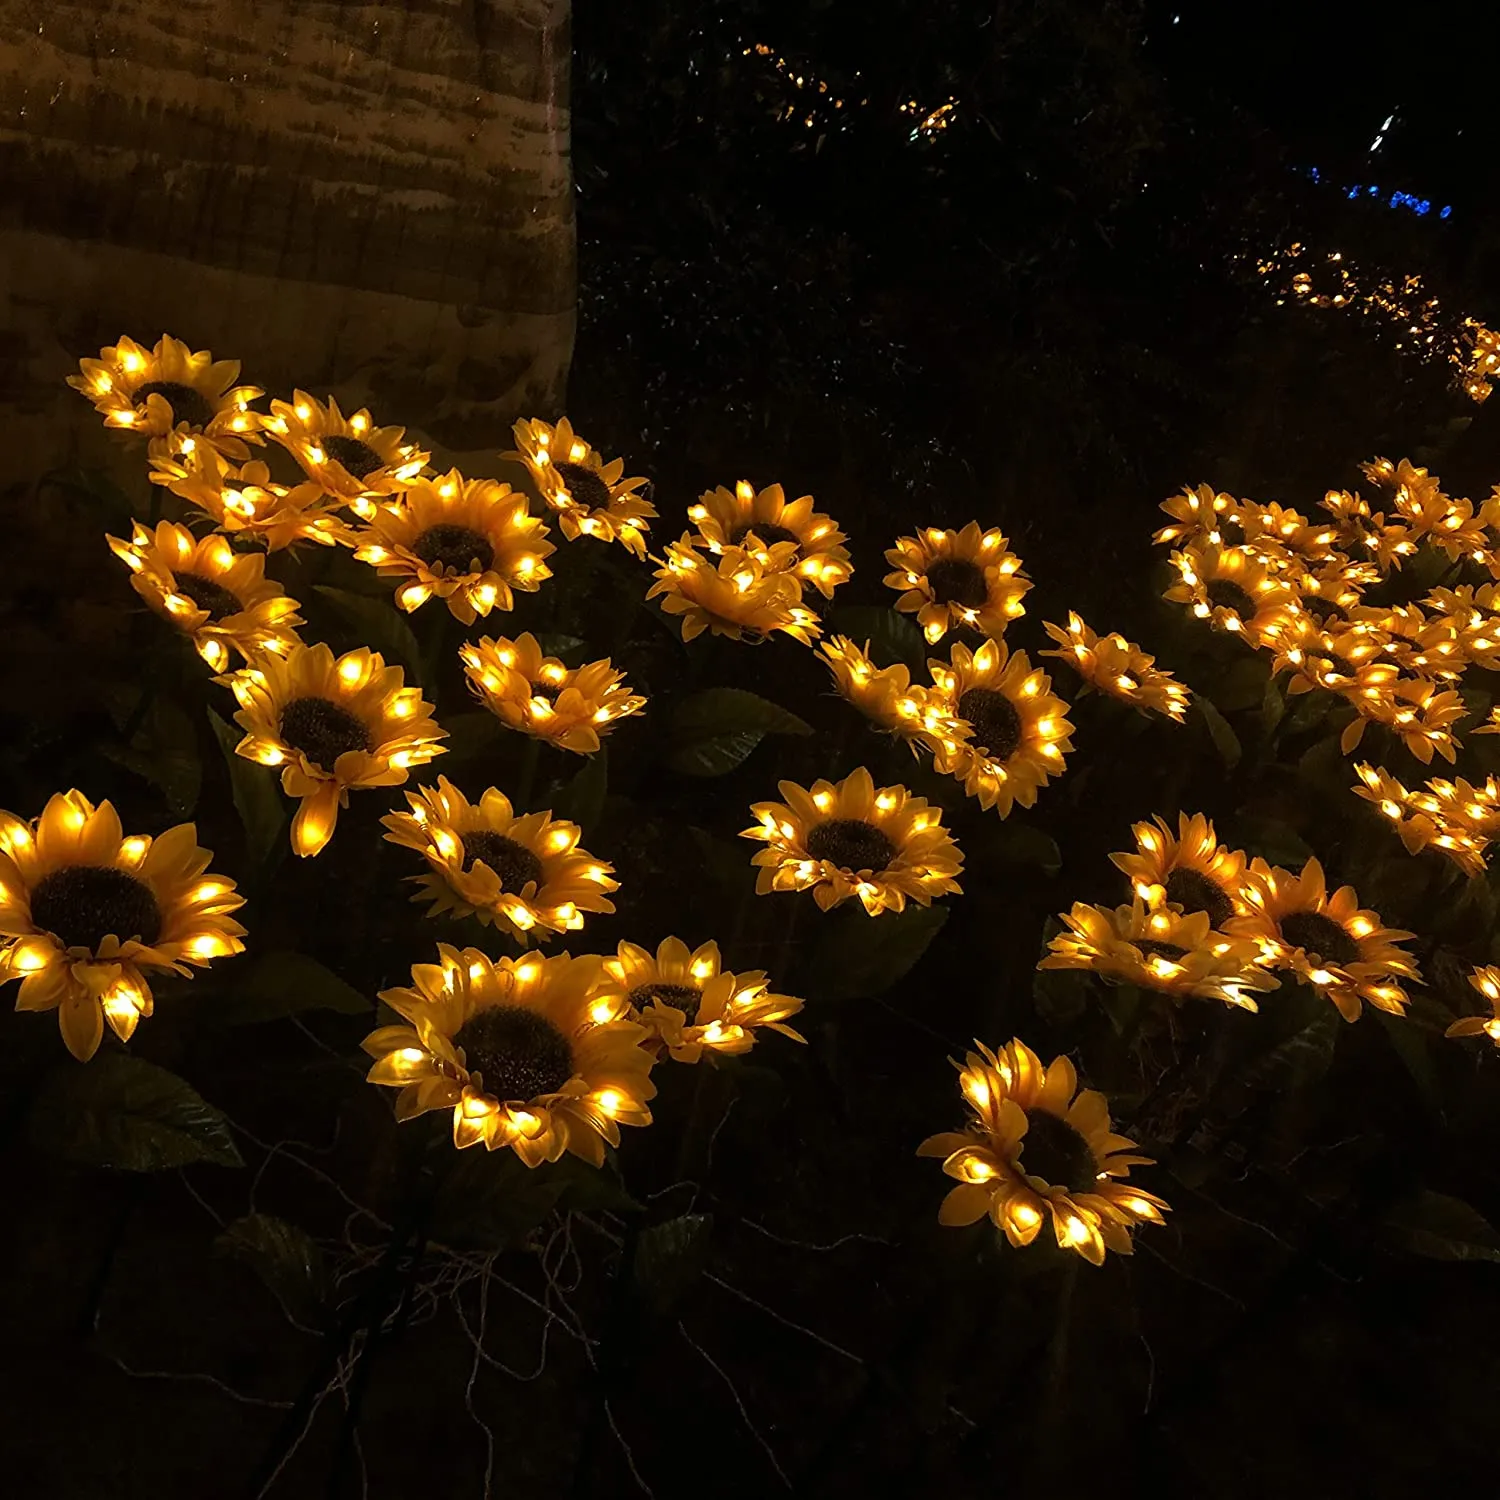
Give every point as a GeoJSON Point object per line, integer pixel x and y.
{"type": "Point", "coordinates": [1373, 619]}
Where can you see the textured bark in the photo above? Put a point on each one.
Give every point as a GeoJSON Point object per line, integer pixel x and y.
{"type": "Point", "coordinates": [373, 199]}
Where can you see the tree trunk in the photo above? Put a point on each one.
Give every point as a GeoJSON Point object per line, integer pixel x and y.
{"type": "Point", "coordinates": [373, 199]}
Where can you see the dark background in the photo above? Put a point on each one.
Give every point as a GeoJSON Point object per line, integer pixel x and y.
{"type": "Point", "coordinates": [1045, 316]}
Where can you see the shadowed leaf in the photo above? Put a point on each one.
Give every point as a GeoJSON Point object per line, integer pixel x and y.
{"type": "Point", "coordinates": [862, 955]}
{"type": "Point", "coordinates": [379, 625]}
{"type": "Point", "coordinates": [582, 800]}
{"type": "Point", "coordinates": [273, 985]}
{"type": "Point", "coordinates": [257, 794]}
{"type": "Point", "coordinates": [893, 637]}
{"type": "Point", "coordinates": [669, 1258]}
{"type": "Point", "coordinates": [121, 1111]}
{"type": "Point", "coordinates": [1441, 1228]}
{"type": "Point", "coordinates": [1225, 740]}
{"type": "Point", "coordinates": [286, 1258]}
{"type": "Point", "coordinates": [713, 731]}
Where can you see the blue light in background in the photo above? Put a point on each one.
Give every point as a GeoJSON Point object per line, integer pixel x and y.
{"type": "Point", "coordinates": [1419, 206]}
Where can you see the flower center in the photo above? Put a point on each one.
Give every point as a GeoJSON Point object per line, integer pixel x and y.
{"type": "Point", "coordinates": [207, 594]}
{"type": "Point", "coordinates": [353, 456]}
{"type": "Point", "coordinates": [188, 405]}
{"type": "Point", "coordinates": [769, 535]}
{"type": "Point", "coordinates": [80, 905]}
{"type": "Point", "coordinates": [955, 580]}
{"type": "Point", "coordinates": [1052, 1150]}
{"type": "Point", "coordinates": [1192, 890]}
{"type": "Point", "coordinates": [518, 1054]}
{"type": "Point", "coordinates": [851, 844]}
{"type": "Point", "coordinates": [515, 864]}
{"type": "Point", "coordinates": [1320, 936]}
{"type": "Point", "coordinates": [996, 724]}
{"type": "Point", "coordinates": [1155, 948]}
{"type": "Point", "coordinates": [322, 730]}
{"type": "Point", "coordinates": [455, 549]}
{"type": "Point", "coordinates": [681, 996]}
{"type": "Point", "coordinates": [584, 485]}
{"type": "Point", "coordinates": [1227, 595]}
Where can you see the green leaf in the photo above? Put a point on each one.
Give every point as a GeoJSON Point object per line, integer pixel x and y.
{"type": "Point", "coordinates": [670, 1257]}
{"type": "Point", "coordinates": [1061, 995]}
{"type": "Point", "coordinates": [724, 865]}
{"type": "Point", "coordinates": [1226, 741]}
{"type": "Point", "coordinates": [1242, 685]}
{"type": "Point", "coordinates": [893, 637]}
{"type": "Point", "coordinates": [1272, 710]}
{"type": "Point", "coordinates": [713, 731]}
{"type": "Point", "coordinates": [379, 625]}
{"type": "Point", "coordinates": [582, 800]}
{"type": "Point", "coordinates": [561, 646]}
{"type": "Point", "coordinates": [287, 1259]}
{"type": "Point", "coordinates": [1441, 1228]}
{"type": "Point", "coordinates": [1302, 1057]}
{"type": "Point", "coordinates": [1274, 841]}
{"type": "Point", "coordinates": [494, 1201]}
{"type": "Point", "coordinates": [472, 737]}
{"type": "Point", "coordinates": [1305, 711]}
{"type": "Point", "coordinates": [164, 751]}
{"type": "Point", "coordinates": [1122, 1004]}
{"type": "Point", "coordinates": [273, 985]}
{"type": "Point", "coordinates": [257, 795]}
{"type": "Point", "coordinates": [1024, 844]}
{"type": "Point", "coordinates": [1325, 766]}
{"type": "Point", "coordinates": [121, 1111]}
{"type": "Point", "coordinates": [94, 488]}
{"type": "Point", "coordinates": [1410, 1044]}
{"type": "Point", "coordinates": [863, 955]}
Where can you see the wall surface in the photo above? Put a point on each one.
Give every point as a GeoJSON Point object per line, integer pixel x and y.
{"type": "Point", "coordinates": [373, 199]}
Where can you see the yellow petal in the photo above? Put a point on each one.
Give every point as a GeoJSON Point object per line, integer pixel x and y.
{"type": "Point", "coordinates": [316, 816]}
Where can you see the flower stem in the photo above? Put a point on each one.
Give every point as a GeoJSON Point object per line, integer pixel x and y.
{"type": "Point", "coordinates": [526, 778]}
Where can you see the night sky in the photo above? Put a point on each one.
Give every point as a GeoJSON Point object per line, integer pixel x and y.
{"type": "Point", "coordinates": [1323, 79]}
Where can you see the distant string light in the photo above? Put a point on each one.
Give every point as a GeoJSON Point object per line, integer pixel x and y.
{"type": "Point", "coordinates": [814, 95]}
{"type": "Point", "coordinates": [932, 122]}
{"type": "Point", "coordinates": [1397, 305]}
{"type": "Point", "coordinates": [816, 102]}
{"type": "Point", "coordinates": [1398, 199]}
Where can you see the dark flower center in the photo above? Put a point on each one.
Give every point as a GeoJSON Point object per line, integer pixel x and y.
{"type": "Point", "coordinates": [681, 996]}
{"type": "Point", "coordinates": [188, 405]}
{"type": "Point", "coordinates": [768, 534]}
{"type": "Point", "coordinates": [456, 549]}
{"type": "Point", "coordinates": [1192, 890]}
{"type": "Point", "coordinates": [321, 730]}
{"type": "Point", "coordinates": [519, 1054]}
{"type": "Point", "coordinates": [80, 905]}
{"type": "Point", "coordinates": [1152, 947]}
{"type": "Point", "coordinates": [1227, 595]}
{"type": "Point", "coordinates": [207, 594]}
{"type": "Point", "coordinates": [1314, 933]}
{"type": "Point", "coordinates": [955, 580]}
{"type": "Point", "coordinates": [584, 485]}
{"type": "Point", "coordinates": [1052, 1150]}
{"type": "Point", "coordinates": [515, 864]}
{"type": "Point", "coordinates": [851, 844]}
{"type": "Point", "coordinates": [996, 724]}
{"type": "Point", "coordinates": [355, 457]}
